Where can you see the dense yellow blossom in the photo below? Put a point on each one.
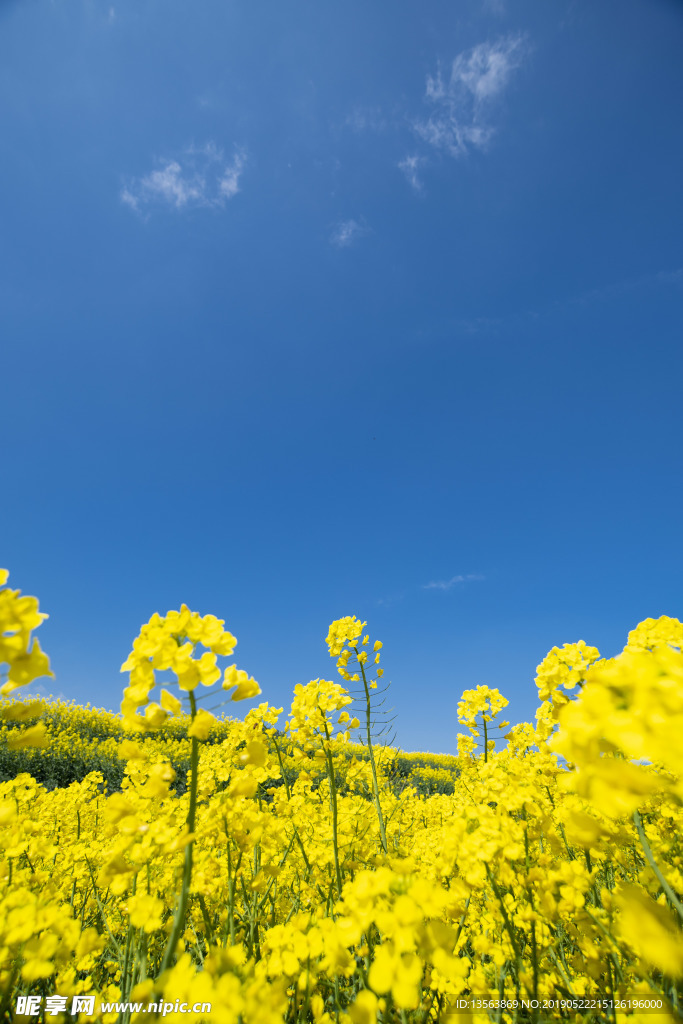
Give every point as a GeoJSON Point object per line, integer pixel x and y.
{"type": "Point", "coordinates": [277, 871]}
{"type": "Point", "coordinates": [25, 660]}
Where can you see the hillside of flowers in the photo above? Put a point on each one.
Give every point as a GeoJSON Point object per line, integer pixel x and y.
{"type": "Point", "coordinates": [85, 739]}
{"type": "Point", "coordinates": [174, 863]}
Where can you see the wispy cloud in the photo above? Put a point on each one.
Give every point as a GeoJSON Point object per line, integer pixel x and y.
{"type": "Point", "coordinates": [38, 691]}
{"type": "Point", "coordinates": [167, 185]}
{"type": "Point", "coordinates": [671, 276]}
{"type": "Point", "coordinates": [462, 101]}
{"type": "Point", "coordinates": [200, 177]}
{"type": "Point", "coordinates": [346, 233]}
{"type": "Point", "coordinates": [366, 119]}
{"type": "Point", "coordinates": [629, 284]}
{"type": "Point", "coordinates": [452, 582]}
{"type": "Point", "coordinates": [228, 185]}
{"type": "Point", "coordinates": [625, 288]}
{"type": "Point", "coordinates": [494, 6]}
{"type": "Point", "coordinates": [391, 598]}
{"type": "Point", "coordinates": [409, 165]}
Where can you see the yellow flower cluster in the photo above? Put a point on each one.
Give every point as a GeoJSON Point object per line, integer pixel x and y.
{"type": "Point", "coordinates": [561, 670]}
{"type": "Point", "coordinates": [629, 718]}
{"type": "Point", "coordinates": [19, 616]}
{"type": "Point", "coordinates": [481, 704]}
{"type": "Point", "coordinates": [292, 879]}
{"type": "Point", "coordinates": [169, 643]}
{"type": "Point", "coordinates": [312, 708]}
{"type": "Point", "coordinates": [343, 641]}
{"type": "Point", "coordinates": [482, 701]}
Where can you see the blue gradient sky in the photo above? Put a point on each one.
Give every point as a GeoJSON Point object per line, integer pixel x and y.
{"type": "Point", "coordinates": [309, 310]}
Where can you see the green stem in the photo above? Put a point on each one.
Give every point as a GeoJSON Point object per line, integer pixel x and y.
{"type": "Point", "coordinates": [181, 909]}
{"type": "Point", "coordinates": [282, 767]}
{"type": "Point", "coordinates": [530, 896]}
{"type": "Point", "coordinates": [670, 894]}
{"type": "Point", "coordinates": [562, 971]}
{"type": "Point", "coordinates": [461, 922]}
{"type": "Point", "coordinates": [103, 917]}
{"type": "Point", "coordinates": [508, 925]}
{"type": "Point", "coordinates": [373, 766]}
{"type": "Point", "coordinates": [333, 804]}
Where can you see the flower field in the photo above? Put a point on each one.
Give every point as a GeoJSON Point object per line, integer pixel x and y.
{"type": "Point", "coordinates": [171, 864]}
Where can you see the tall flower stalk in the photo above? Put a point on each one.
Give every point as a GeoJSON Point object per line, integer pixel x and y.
{"type": "Point", "coordinates": [479, 707]}
{"type": "Point", "coordinates": [310, 725]}
{"type": "Point", "coordinates": [342, 641]}
{"type": "Point", "coordinates": [170, 643]}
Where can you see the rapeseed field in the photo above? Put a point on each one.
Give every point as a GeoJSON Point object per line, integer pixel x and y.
{"type": "Point", "coordinates": [169, 864]}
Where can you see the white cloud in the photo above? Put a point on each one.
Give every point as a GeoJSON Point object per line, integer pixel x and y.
{"type": "Point", "coordinates": [171, 186]}
{"type": "Point", "coordinates": [671, 276]}
{"type": "Point", "coordinates": [38, 692]}
{"type": "Point", "coordinates": [129, 199]}
{"type": "Point", "coordinates": [409, 165]}
{"type": "Point", "coordinates": [462, 101]}
{"type": "Point", "coordinates": [201, 177]}
{"type": "Point", "coordinates": [447, 584]}
{"type": "Point", "coordinates": [346, 233]}
{"type": "Point", "coordinates": [366, 119]}
{"type": "Point", "coordinates": [625, 285]}
{"type": "Point", "coordinates": [228, 186]}
{"type": "Point", "coordinates": [486, 70]}
{"type": "Point", "coordinates": [209, 151]}
{"type": "Point", "coordinates": [392, 598]}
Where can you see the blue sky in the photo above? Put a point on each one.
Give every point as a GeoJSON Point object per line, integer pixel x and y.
{"type": "Point", "coordinates": [311, 310]}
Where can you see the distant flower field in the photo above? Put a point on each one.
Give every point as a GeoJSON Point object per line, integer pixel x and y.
{"type": "Point", "coordinates": [169, 864]}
